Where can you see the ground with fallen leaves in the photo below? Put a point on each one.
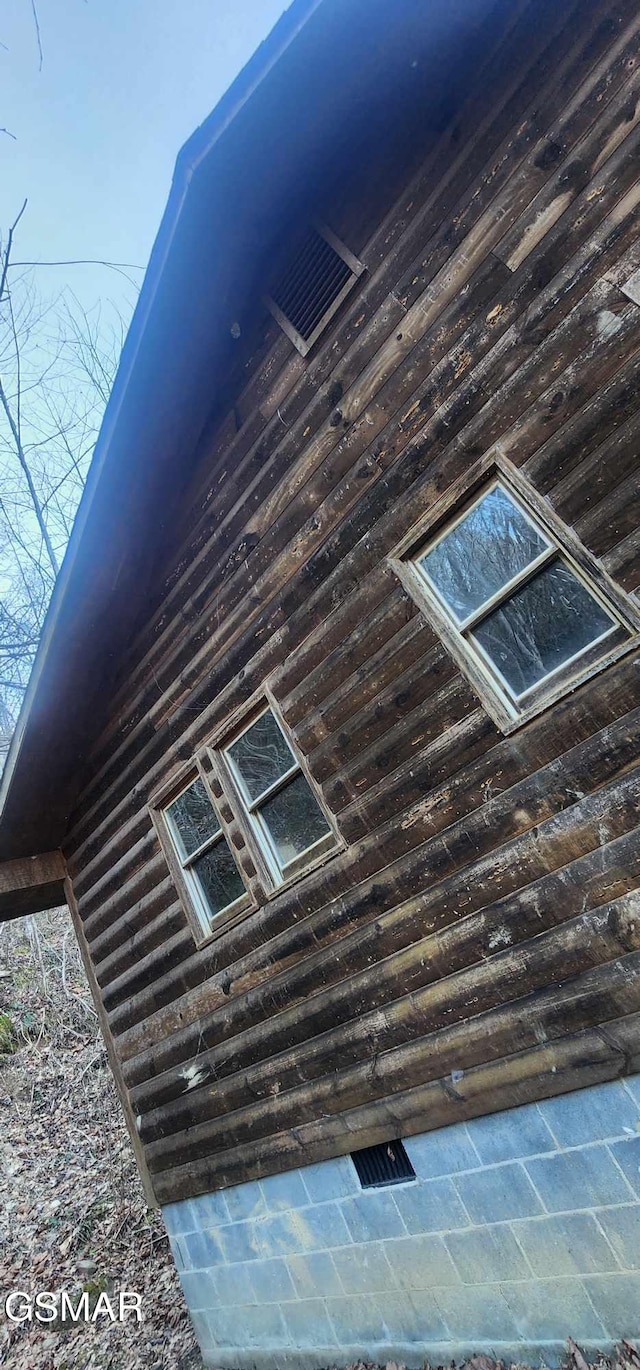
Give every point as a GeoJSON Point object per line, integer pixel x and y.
{"type": "Point", "coordinates": [72, 1211]}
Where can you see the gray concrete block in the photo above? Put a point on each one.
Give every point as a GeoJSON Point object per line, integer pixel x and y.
{"type": "Point", "coordinates": [632, 1085]}
{"type": "Point", "coordinates": [569, 1244]}
{"type": "Point", "coordinates": [308, 1323]}
{"type": "Point", "coordinates": [546, 1308]}
{"type": "Point", "coordinates": [278, 1236]}
{"type": "Point", "coordinates": [232, 1284]}
{"type": "Point", "coordinates": [271, 1281]}
{"type": "Point", "coordinates": [621, 1227]}
{"type": "Point", "coordinates": [356, 1321]}
{"type": "Point", "coordinates": [627, 1154]}
{"type": "Point", "coordinates": [480, 1314]}
{"type": "Point", "coordinates": [284, 1192]}
{"type": "Point", "coordinates": [314, 1275]}
{"type": "Point", "coordinates": [487, 1255]}
{"type": "Point", "coordinates": [308, 1229]}
{"type": "Point", "coordinates": [590, 1115]}
{"type": "Point", "coordinates": [245, 1201]}
{"type": "Point", "coordinates": [240, 1242]}
{"type": "Point", "coordinates": [210, 1210]}
{"type": "Point", "coordinates": [511, 1135]}
{"type": "Point", "coordinates": [431, 1206]}
{"type": "Point", "coordinates": [248, 1326]}
{"type": "Point", "coordinates": [421, 1262]}
{"type": "Point", "coordinates": [411, 1319]}
{"type": "Point", "coordinates": [616, 1299]}
{"type": "Point", "coordinates": [578, 1179]}
{"type": "Point", "coordinates": [372, 1216]}
{"type": "Point", "coordinates": [445, 1152]}
{"type": "Point", "coordinates": [199, 1289]}
{"type": "Point", "coordinates": [495, 1195]}
{"type": "Point", "coordinates": [180, 1217]}
{"type": "Point", "coordinates": [321, 1227]}
{"type": "Point", "coordinates": [202, 1250]}
{"type": "Point", "coordinates": [202, 1330]}
{"type": "Point", "coordinates": [364, 1270]}
{"type": "Point", "coordinates": [331, 1179]}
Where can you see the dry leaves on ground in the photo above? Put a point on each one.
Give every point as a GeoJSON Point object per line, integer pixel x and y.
{"type": "Point", "coordinates": [72, 1211]}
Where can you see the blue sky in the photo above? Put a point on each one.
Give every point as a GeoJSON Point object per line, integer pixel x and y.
{"type": "Point", "coordinates": [123, 83]}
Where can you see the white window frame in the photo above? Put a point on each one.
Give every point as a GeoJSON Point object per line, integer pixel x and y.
{"type": "Point", "coordinates": [248, 809]}
{"type": "Point", "coordinates": [207, 916]}
{"type": "Point", "coordinates": [550, 554]}
{"type": "Point", "coordinates": [509, 708]}
{"type": "Point", "coordinates": [205, 924]}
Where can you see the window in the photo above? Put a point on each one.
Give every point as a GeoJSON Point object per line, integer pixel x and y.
{"type": "Point", "coordinates": [240, 823]}
{"type": "Point", "coordinates": [209, 871]}
{"type": "Point", "coordinates": [317, 276]}
{"type": "Point", "coordinates": [516, 599]}
{"type": "Point", "coordinates": [274, 799]}
{"type": "Point", "coordinates": [387, 1163]}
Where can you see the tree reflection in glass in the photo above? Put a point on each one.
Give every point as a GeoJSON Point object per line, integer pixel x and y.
{"type": "Point", "coordinates": [294, 820]}
{"type": "Point", "coordinates": [544, 624]}
{"type": "Point", "coordinates": [261, 755]}
{"type": "Point", "coordinates": [194, 817]}
{"type": "Point", "coordinates": [208, 866]}
{"type": "Point", "coordinates": [486, 549]}
{"type": "Point", "coordinates": [218, 877]}
{"type": "Point", "coordinates": [511, 595]}
{"type": "Point", "coordinates": [285, 815]}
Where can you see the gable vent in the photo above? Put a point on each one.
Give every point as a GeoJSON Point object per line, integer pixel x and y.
{"type": "Point", "coordinates": [387, 1163]}
{"type": "Point", "coordinates": [317, 277]}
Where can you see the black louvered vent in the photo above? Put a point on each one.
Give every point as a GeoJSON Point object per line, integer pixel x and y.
{"type": "Point", "coordinates": [316, 279]}
{"type": "Point", "coordinates": [384, 1164]}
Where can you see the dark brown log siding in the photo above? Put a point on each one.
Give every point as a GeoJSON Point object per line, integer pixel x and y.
{"type": "Point", "coordinates": [478, 943]}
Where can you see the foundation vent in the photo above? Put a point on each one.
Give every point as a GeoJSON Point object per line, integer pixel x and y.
{"type": "Point", "coordinates": [387, 1163]}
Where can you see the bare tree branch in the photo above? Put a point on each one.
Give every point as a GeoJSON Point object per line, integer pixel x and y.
{"type": "Point", "coordinates": [57, 364]}
{"type": "Point", "coordinates": [7, 252]}
{"type": "Point", "coordinates": [20, 453]}
{"type": "Point", "coordinates": [37, 26]}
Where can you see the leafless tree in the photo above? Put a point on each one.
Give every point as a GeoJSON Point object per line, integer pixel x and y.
{"type": "Point", "coordinates": [57, 363]}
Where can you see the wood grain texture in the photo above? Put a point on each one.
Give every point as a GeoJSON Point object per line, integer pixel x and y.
{"type": "Point", "coordinates": [483, 915]}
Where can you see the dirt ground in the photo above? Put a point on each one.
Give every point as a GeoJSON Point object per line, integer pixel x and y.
{"type": "Point", "coordinates": [73, 1214]}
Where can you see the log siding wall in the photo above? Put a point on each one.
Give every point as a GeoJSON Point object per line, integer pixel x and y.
{"type": "Point", "coordinates": [477, 943]}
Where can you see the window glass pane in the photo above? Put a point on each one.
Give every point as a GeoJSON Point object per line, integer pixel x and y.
{"type": "Point", "coordinates": [218, 877]}
{"type": "Point", "coordinates": [294, 819]}
{"type": "Point", "coordinates": [194, 817]}
{"type": "Point", "coordinates": [542, 625]}
{"type": "Point", "coordinates": [261, 755]}
{"type": "Point", "coordinates": [493, 543]}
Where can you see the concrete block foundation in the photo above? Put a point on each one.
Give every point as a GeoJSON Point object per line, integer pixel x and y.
{"type": "Point", "coordinates": [519, 1230]}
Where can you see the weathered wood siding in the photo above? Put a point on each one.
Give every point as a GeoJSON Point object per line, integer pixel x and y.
{"type": "Point", "coordinates": [478, 943]}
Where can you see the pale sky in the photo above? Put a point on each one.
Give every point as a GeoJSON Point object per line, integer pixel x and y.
{"type": "Point", "coordinates": [123, 83]}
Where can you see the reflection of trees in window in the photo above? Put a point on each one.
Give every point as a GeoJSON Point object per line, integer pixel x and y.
{"type": "Point", "coordinates": [218, 877]}
{"type": "Point", "coordinates": [294, 820]}
{"type": "Point", "coordinates": [511, 594]}
{"type": "Point", "coordinates": [277, 800]}
{"type": "Point", "coordinates": [544, 624]}
{"type": "Point", "coordinates": [261, 755]}
{"type": "Point", "coordinates": [208, 866]}
{"type": "Point", "coordinates": [194, 817]}
{"type": "Point", "coordinates": [484, 552]}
